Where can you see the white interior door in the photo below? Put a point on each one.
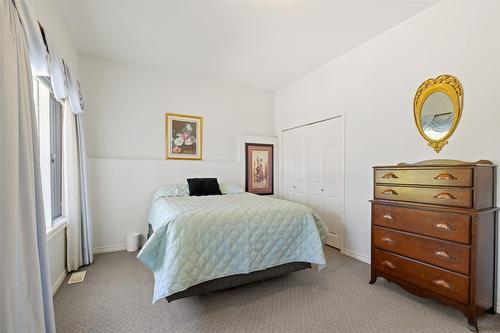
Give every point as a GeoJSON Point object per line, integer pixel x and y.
{"type": "Point", "coordinates": [326, 174]}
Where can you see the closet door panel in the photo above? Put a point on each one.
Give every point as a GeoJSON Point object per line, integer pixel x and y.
{"type": "Point", "coordinates": [315, 168]}
{"type": "Point", "coordinates": [300, 163]}
{"type": "Point", "coordinates": [326, 176]}
{"type": "Point", "coordinates": [288, 166]}
{"type": "Point", "coordinates": [334, 179]}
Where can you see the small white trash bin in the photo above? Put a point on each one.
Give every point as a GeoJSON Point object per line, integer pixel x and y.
{"type": "Point", "coordinates": [133, 241]}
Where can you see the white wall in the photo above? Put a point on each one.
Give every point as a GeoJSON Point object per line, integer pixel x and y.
{"type": "Point", "coordinates": [56, 244]}
{"type": "Point", "coordinates": [51, 18]}
{"type": "Point", "coordinates": [374, 86]}
{"type": "Point", "coordinates": [125, 125]}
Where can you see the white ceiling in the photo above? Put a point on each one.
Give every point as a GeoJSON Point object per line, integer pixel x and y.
{"type": "Point", "coordinates": [263, 44]}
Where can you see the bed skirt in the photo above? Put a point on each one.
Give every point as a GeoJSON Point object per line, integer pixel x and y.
{"type": "Point", "coordinates": [239, 280]}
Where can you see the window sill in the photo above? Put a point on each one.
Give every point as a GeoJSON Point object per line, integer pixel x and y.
{"type": "Point", "coordinates": [58, 226]}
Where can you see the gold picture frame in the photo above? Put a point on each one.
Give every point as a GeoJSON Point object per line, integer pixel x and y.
{"type": "Point", "coordinates": [448, 85]}
{"type": "Point", "coordinates": [184, 137]}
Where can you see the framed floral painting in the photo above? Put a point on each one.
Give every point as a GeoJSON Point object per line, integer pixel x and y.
{"type": "Point", "coordinates": [259, 168]}
{"type": "Point", "coordinates": [184, 136]}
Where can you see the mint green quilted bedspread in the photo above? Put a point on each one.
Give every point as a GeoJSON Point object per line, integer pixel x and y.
{"type": "Point", "coordinates": [197, 239]}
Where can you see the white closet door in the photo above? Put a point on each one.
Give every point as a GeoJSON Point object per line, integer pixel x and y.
{"type": "Point", "coordinates": [326, 188]}
{"type": "Point", "coordinates": [300, 163]}
{"type": "Point", "coordinates": [287, 165]}
{"type": "Point", "coordinates": [294, 164]}
{"type": "Point", "coordinates": [313, 171]}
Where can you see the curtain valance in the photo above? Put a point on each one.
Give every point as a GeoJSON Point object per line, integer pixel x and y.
{"type": "Point", "coordinates": [73, 90]}
{"type": "Point", "coordinates": [46, 61]}
{"type": "Point", "coordinates": [438, 123]}
{"type": "Point", "coordinates": [37, 49]}
{"type": "Point", "coordinates": [57, 70]}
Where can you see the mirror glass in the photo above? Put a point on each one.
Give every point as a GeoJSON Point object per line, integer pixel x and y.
{"type": "Point", "coordinates": [437, 115]}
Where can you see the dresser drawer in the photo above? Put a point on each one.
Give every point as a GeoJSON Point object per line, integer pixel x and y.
{"type": "Point", "coordinates": [444, 254]}
{"type": "Point", "coordinates": [448, 226]}
{"type": "Point", "coordinates": [448, 284]}
{"type": "Point", "coordinates": [455, 197]}
{"type": "Point", "coordinates": [433, 177]}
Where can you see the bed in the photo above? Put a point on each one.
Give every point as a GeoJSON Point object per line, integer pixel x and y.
{"type": "Point", "coordinates": [199, 244]}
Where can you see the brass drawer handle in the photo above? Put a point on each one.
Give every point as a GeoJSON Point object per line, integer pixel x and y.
{"type": "Point", "coordinates": [389, 264]}
{"type": "Point", "coordinates": [390, 192]}
{"type": "Point", "coordinates": [443, 254]}
{"type": "Point", "coordinates": [444, 195]}
{"type": "Point", "coordinates": [443, 226]}
{"type": "Point", "coordinates": [388, 217]}
{"type": "Point", "coordinates": [445, 176]}
{"type": "Point", "coordinates": [388, 240]}
{"type": "Point", "coordinates": [390, 175]}
{"type": "Point", "coordinates": [443, 283]}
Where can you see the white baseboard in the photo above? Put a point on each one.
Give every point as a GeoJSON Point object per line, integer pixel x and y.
{"type": "Point", "coordinates": [106, 249]}
{"type": "Point", "coordinates": [59, 282]}
{"type": "Point", "coordinates": [357, 256]}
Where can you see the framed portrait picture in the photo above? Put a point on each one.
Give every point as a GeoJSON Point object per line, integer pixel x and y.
{"type": "Point", "coordinates": [184, 136]}
{"type": "Point", "coordinates": [259, 168]}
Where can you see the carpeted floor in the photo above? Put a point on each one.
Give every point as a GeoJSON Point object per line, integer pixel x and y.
{"type": "Point", "coordinates": [117, 292]}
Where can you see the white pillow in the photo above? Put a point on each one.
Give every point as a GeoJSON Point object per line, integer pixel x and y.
{"type": "Point", "coordinates": [227, 188]}
{"type": "Point", "coordinates": [172, 190]}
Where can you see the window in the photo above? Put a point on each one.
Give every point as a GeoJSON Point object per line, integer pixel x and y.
{"type": "Point", "coordinates": [49, 122]}
{"type": "Point", "coordinates": [56, 157]}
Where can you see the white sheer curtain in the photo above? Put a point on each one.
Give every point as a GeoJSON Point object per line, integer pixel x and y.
{"type": "Point", "coordinates": [25, 292]}
{"type": "Point", "coordinates": [71, 181]}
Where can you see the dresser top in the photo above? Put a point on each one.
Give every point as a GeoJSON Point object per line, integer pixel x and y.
{"type": "Point", "coordinates": [440, 163]}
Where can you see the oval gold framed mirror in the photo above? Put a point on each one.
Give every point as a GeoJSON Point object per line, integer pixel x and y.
{"type": "Point", "coordinates": [437, 108]}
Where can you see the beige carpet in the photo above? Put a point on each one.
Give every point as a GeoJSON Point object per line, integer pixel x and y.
{"type": "Point", "coordinates": [116, 297]}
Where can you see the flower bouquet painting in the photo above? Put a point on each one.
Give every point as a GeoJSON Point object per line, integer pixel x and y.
{"type": "Point", "coordinates": [184, 135]}
{"type": "Point", "coordinates": [259, 168]}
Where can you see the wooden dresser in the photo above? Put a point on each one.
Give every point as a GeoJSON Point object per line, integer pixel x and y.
{"type": "Point", "coordinates": [434, 232]}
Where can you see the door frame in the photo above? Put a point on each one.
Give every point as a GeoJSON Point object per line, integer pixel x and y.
{"type": "Point", "coordinates": [281, 182]}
